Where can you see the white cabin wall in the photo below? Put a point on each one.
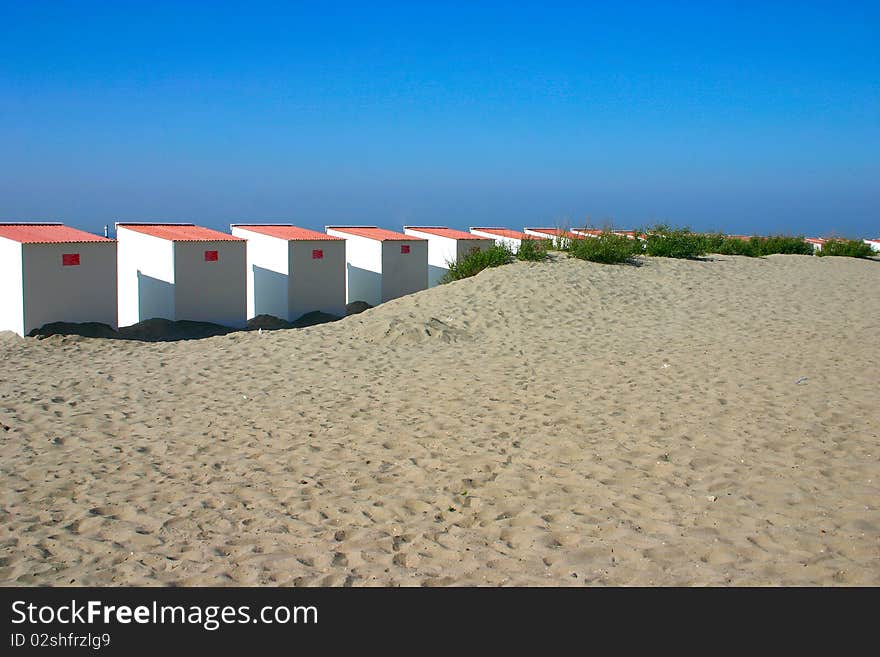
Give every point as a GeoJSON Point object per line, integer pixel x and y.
{"type": "Point", "coordinates": [363, 268]}
{"type": "Point", "coordinates": [404, 273]}
{"type": "Point", "coordinates": [11, 287]}
{"type": "Point", "coordinates": [441, 251]}
{"type": "Point", "coordinates": [317, 284]}
{"type": "Point", "coordinates": [267, 273]}
{"type": "Point", "coordinates": [211, 291]}
{"type": "Point", "coordinates": [466, 247]}
{"type": "Point", "coordinates": [153, 258]}
{"type": "Point", "coordinates": [54, 292]}
{"type": "Point", "coordinates": [509, 242]}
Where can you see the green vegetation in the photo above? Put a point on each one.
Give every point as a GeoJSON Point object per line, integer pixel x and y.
{"type": "Point", "coordinates": [607, 248]}
{"type": "Point", "coordinates": [533, 250]}
{"type": "Point", "coordinates": [660, 241]}
{"type": "Point", "coordinates": [785, 244]}
{"type": "Point", "coordinates": [727, 245]}
{"type": "Point", "coordinates": [850, 248]}
{"type": "Point", "coordinates": [475, 262]}
{"type": "Point", "coordinates": [755, 247]}
{"type": "Point", "coordinates": [667, 242]}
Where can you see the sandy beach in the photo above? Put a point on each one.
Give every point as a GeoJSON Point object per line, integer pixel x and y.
{"type": "Point", "coordinates": [710, 422]}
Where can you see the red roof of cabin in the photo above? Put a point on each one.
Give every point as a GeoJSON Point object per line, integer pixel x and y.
{"type": "Point", "coordinates": [181, 232]}
{"type": "Point", "coordinates": [442, 231]}
{"type": "Point", "coordinates": [47, 234]}
{"type": "Point", "coordinates": [505, 232]}
{"type": "Point", "coordinates": [287, 232]}
{"type": "Point", "coordinates": [373, 233]}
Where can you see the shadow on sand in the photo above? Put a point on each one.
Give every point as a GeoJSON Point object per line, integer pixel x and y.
{"type": "Point", "coordinates": [165, 330]}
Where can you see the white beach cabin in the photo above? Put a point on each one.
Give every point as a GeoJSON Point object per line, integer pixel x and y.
{"type": "Point", "coordinates": [874, 244]}
{"type": "Point", "coordinates": [587, 232]}
{"type": "Point", "coordinates": [292, 271]}
{"type": "Point", "coordinates": [180, 272]}
{"type": "Point", "coordinates": [816, 242]}
{"type": "Point", "coordinates": [555, 234]}
{"type": "Point", "coordinates": [502, 236]}
{"type": "Point", "coordinates": [54, 273]}
{"type": "Point", "coordinates": [596, 232]}
{"type": "Point", "coordinates": [381, 265]}
{"type": "Point", "coordinates": [446, 245]}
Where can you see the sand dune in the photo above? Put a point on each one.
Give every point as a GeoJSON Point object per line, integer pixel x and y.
{"type": "Point", "coordinates": [564, 423]}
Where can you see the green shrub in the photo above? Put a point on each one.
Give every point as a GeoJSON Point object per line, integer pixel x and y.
{"type": "Point", "coordinates": [785, 244]}
{"type": "Point", "coordinates": [475, 262]}
{"type": "Point", "coordinates": [756, 246]}
{"type": "Point", "coordinates": [849, 248]}
{"type": "Point", "coordinates": [533, 250]}
{"type": "Point", "coordinates": [606, 248]}
{"type": "Point", "coordinates": [728, 245]}
{"type": "Point", "coordinates": [666, 242]}
{"type": "Point", "coordinates": [751, 247]}
{"type": "Point", "coordinates": [714, 242]}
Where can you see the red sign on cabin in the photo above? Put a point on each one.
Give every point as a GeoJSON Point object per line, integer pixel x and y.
{"type": "Point", "coordinates": [211, 256]}
{"type": "Point", "coordinates": [317, 254]}
{"type": "Point", "coordinates": [404, 248]}
{"type": "Point", "coordinates": [69, 259]}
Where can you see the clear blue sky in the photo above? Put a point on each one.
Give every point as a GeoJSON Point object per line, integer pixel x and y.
{"type": "Point", "coordinates": [744, 117]}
